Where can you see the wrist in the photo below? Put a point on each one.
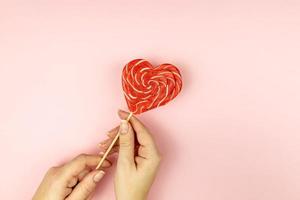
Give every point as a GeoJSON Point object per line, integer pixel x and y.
{"type": "Point", "coordinates": [132, 197]}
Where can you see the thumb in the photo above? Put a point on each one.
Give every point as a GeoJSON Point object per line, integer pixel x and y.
{"type": "Point", "coordinates": [86, 187]}
{"type": "Point", "coordinates": [126, 143]}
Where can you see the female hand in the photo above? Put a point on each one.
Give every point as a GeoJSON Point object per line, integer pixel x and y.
{"type": "Point", "coordinates": [138, 159]}
{"type": "Point", "coordinates": [76, 180]}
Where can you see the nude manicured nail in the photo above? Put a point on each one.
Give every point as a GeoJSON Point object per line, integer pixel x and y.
{"type": "Point", "coordinates": [99, 145]}
{"type": "Point", "coordinates": [98, 176]}
{"type": "Point", "coordinates": [124, 127]}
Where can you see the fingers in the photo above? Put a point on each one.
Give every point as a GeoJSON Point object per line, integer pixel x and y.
{"type": "Point", "coordinates": [115, 149]}
{"type": "Point", "coordinates": [83, 174]}
{"type": "Point", "coordinates": [67, 191]}
{"type": "Point", "coordinates": [126, 143]}
{"type": "Point", "coordinates": [144, 138]}
{"type": "Point", "coordinates": [72, 182]}
{"type": "Point", "coordinates": [80, 163]}
{"type": "Point", "coordinates": [104, 145]}
{"type": "Point", "coordinates": [112, 133]}
{"type": "Point", "coordinates": [87, 186]}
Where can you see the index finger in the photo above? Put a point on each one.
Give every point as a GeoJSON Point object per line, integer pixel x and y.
{"type": "Point", "coordinates": [80, 163]}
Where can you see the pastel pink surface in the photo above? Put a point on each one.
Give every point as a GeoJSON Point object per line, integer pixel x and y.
{"type": "Point", "coordinates": [231, 134]}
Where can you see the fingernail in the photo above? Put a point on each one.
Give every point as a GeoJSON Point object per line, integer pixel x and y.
{"type": "Point", "coordinates": [124, 127]}
{"type": "Point", "coordinates": [100, 145]}
{"type": "Point", "coordinates": [103, 142]}
{"type": "Point", "coordinates": [98, 176]}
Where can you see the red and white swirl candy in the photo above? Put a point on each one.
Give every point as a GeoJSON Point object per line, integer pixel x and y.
{"type": "Point", "coordinates": [146, 87]}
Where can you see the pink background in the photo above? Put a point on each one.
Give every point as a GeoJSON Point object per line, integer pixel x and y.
{"type": "Point", "coordinates": [232, 134]}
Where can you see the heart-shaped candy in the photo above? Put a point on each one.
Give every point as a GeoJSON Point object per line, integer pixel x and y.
{"type": "Point", "coordinates": [146, 87]}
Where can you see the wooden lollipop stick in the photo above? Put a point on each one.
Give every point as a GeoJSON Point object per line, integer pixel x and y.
{"type": "Point", "coordinates": [112, 144]}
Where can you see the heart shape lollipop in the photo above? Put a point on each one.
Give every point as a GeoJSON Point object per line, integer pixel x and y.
{"type": "Point", "coordinates": [146, 87]}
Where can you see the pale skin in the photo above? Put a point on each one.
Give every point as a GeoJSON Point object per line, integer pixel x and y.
{"type": "Point", "coordinates": [137, 165]}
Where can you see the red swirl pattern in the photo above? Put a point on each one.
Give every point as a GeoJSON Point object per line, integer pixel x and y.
{"type": "Point", "coordinates": [146, 87]}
